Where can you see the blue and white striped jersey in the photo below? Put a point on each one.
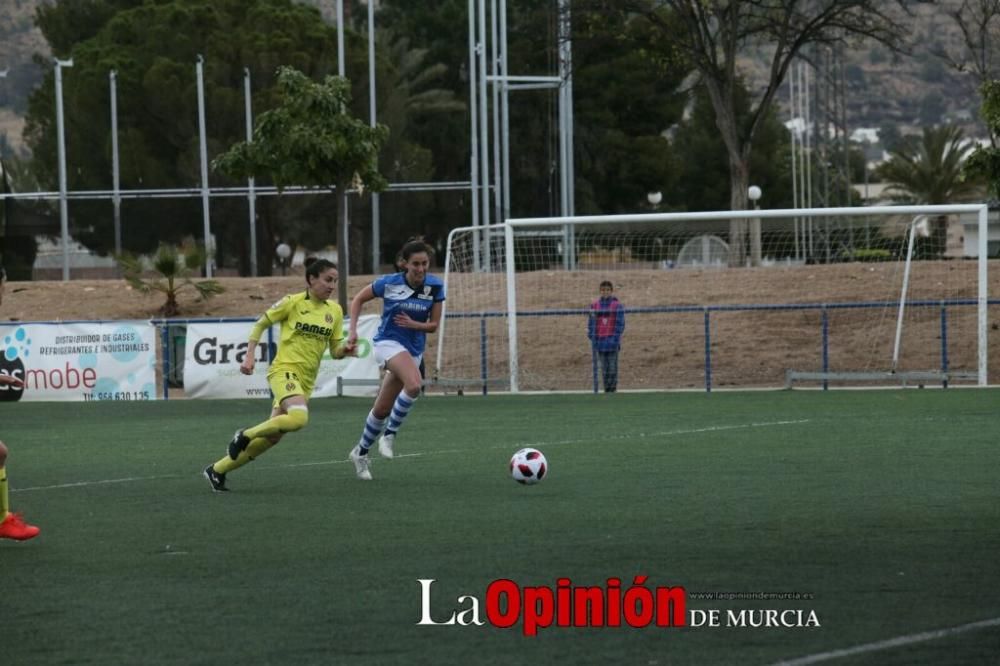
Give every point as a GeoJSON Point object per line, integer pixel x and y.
{"type": "Point", "coordinates": [398, 296]}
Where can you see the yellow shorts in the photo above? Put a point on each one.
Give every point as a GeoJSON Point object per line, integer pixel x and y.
{"type": "Point", "coordinates": [285, 384]}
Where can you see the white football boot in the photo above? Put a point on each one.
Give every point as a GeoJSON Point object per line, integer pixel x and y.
{"type": "Point", "coordinates": [385, 443]}
{"type": "Point", "coordinates": [361, 463]}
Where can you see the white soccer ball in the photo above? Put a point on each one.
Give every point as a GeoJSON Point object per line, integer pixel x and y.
{"type": "Point", "coordinates": [528, 466]}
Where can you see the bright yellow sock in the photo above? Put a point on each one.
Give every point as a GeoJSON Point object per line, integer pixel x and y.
{"type": "Point", "coordinates": [256, 447]}
{"type": "Point", "coordinates": [295, 419]}
{"type": "Point", "coordinates": [4, 499]}
{"type": "Point", "coordinates": [226, 464]}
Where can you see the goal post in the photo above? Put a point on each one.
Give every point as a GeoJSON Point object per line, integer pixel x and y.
{"type": "Point", "coordinates": [812, 291]}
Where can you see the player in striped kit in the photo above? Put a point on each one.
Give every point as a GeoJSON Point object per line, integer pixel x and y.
{"type": "Point", "coordinates": [411, 308]}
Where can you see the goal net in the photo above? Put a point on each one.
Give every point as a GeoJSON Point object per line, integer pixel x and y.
{"type": "Point", "coordinates": [882, 295]}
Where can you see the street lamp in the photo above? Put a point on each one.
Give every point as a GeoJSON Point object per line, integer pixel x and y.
{"type": "Point", "coordinates": [284, 252]}
{"type": "Point", "coordinates": [754, 193]}
{"type": "Point", "coordinates": [61, 131]}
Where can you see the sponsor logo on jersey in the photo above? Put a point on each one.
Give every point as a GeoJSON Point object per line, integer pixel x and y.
{"type": "Point", "coordinates": [313, 329]}
{"type": "Point", "coordinates": [397, 292]}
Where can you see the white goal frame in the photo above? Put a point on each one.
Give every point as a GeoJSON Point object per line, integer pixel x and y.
{"type": "Point", "coordinates": [571, 222]}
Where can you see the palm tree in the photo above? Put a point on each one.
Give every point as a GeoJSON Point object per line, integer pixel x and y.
{"type": "Point", "coordinates": [415, 103]}
{"type": "Point", "coordinates": [412, 93]}
{"type": "Point", "coordinates": [174, 268]}
{"type": "Point", "coordinates": [929, 171]}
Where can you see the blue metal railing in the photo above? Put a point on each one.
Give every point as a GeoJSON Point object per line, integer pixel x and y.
{"type": "Point", "coordinates": [707, 310]}
{"type": "Point", "coordinates": [824, 309]}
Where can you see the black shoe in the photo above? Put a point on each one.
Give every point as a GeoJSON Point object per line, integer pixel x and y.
{"type": "Point", "coordinates": [238, 444]}
{"type": "Point", "coordinates": [217, 480]}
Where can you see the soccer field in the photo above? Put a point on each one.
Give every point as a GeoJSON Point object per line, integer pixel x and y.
{"type": "Point", "coordinates": [879, 509]}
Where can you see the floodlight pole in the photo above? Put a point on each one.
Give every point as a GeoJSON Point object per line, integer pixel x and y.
{"type": "Point", "coordinates": [376, 218]}
{"type": "Point", "coordinates": [209, 245]}
{"type": "Point", "coordinates": [116, 196]}
{"type": "Point", "coordinates": [251, 194]}
{"type": "Point", "coordinates": [343, 224]}
{"type": "Point", "coordinates": [61, 132]}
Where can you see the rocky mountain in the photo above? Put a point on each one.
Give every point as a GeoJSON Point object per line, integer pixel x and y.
{"type": "Point", "coordinates": [20, 42]}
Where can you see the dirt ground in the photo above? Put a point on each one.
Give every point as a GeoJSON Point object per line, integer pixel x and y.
{"type": "Point", "coordinates": [748, 348]}
{"type": "Point", "coordinates": [114, 299]}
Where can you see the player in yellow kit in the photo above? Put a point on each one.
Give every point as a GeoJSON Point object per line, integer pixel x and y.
{"type": "Point", "coordinates": [310, 324]}
{"type": "Point", "coordinates": [12, 526]}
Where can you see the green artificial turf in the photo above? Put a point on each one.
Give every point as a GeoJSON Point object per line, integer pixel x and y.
{"type": "Point", "coordinates": [882, 506]}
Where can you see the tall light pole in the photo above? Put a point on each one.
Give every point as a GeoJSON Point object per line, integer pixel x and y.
{"type": "Point", "coordinates": [116, 197]}
{"type": "Point", "coordinates": [376, 210]}
{"type": "Point", "coordinates": [3, 75]}
{"type": "Point", "coordinates": [343, 257]}
{"type": "Point", "coordinates": [251, 195]}
{"type": "Point", "coordinates": [205, 215]}
{"type": "Point", "coordinates": [61, 132]}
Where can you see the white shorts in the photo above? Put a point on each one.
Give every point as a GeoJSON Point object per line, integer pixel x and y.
{"type": "Point", "coordinates": [383, 350]}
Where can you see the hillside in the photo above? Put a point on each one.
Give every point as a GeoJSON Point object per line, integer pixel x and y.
{"type": "Point", "coordinates": [20, 41]}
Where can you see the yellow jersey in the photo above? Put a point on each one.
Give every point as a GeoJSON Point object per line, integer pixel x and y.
{"type": "Point", "coordinates": [308, 328]}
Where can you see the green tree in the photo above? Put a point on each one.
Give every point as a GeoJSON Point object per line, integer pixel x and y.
{"type": "Point", "coordinates": [439, 141]}
{"type": "Point", "coordinates": [153, 47]}
{"type": "Point", "coordinates": [984, 161]}
{"type": "Point", "coordinates": [696, 141]}
{"type": "Point", "coordinates": [929, 170]}
{"type": "Point", "coordinates": [716, 35]}
{"type": "Point", "coordinates": [412, 100]}
{"type": "Point", "coordinates": [627, 91]}
{"type": "Point", "coordinates": [310, 138]}
{"type": "Point", "coordinates": [174, 267]}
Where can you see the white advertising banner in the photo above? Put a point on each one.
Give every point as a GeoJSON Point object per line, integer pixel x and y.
{"type": "Point", "coordinates": [79, 361]}
{"type": "Point", "coordinates": [213, 353]}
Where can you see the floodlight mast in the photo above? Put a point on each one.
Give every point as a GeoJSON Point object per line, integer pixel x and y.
{"type": "Point", "coordinates": [61, 132]}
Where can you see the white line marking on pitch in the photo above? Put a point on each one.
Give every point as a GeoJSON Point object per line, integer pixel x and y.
{"type": "Point", "coordinates": [890, 643]}
{"type": "Point", "coordinates": [671, 433]}
{"type": "Point", "coordinates": [80, 484]}
{"type": "Point", "coordinates": [345, 461]}
{"type": "Point", "coordinates": [641, 435]}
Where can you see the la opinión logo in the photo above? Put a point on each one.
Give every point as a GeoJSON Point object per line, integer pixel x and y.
{"type": "Point", "coordinates": [566, 605]}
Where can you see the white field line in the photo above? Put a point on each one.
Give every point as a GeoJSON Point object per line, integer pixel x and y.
{"type": "Point", "coordinates": [891, 643]}
{"type": "Point", "coordinates": [101, 482]}
{"type": "Point", "coordinates": [513, 445]}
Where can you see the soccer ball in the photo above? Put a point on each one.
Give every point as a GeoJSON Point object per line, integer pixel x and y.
{"type": "Point", "coordinates": [528, 466]}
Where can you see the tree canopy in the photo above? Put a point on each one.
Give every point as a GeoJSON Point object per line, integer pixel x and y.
{"type": "Point", "coordinates": [310, 138]}
{"type": "Point", "coordinates": [153, 48]}
{"type": "Point", "coordinates": [633, 65]}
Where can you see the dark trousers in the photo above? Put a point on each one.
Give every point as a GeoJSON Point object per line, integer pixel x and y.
{"type": "Point", "coordinates": [609, 368]}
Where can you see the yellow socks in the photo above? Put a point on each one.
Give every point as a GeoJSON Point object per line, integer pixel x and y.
{"type": "Point", "coordinates": [296, 419]}
{"type": "Point", "coordinates": [4, 499]}
{"type": "Point", "coordinates": [256, 447]}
